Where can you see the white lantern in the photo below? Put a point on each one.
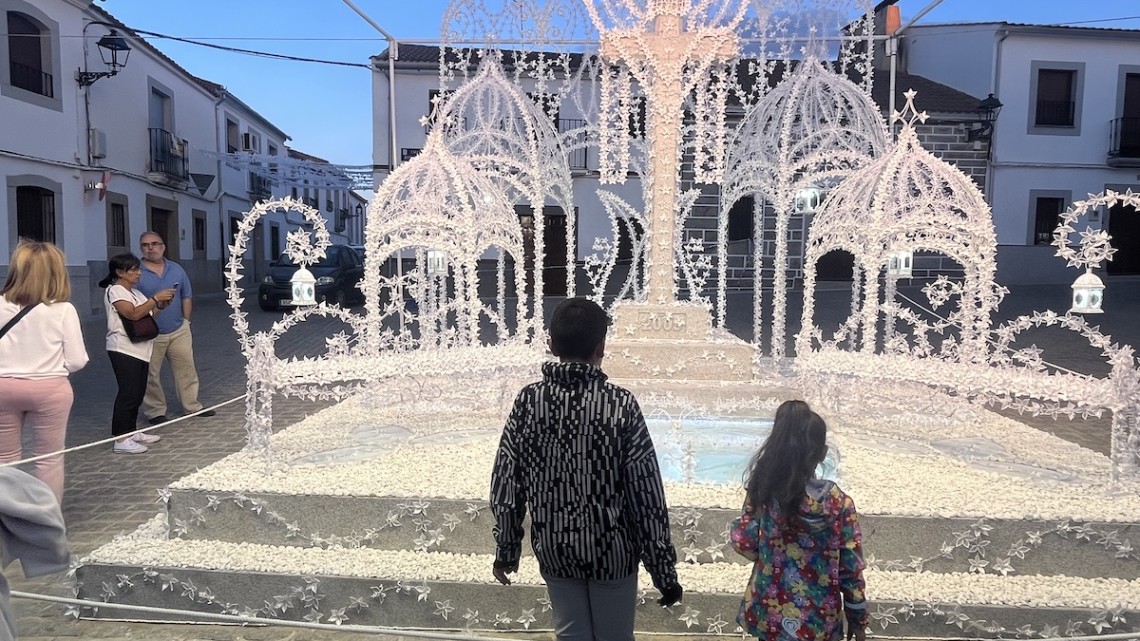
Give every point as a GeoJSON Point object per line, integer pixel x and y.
{"type": "Point", "coordinates": [899, 264]}
{"type": "Point", "coordinates": [436, 263]}
{"type": "Point", "coordinates": [808, 199]}
{"type": "Point", "coordinates": [304, 288]}
{"type": "Point", "coordinates": [1088, 294]}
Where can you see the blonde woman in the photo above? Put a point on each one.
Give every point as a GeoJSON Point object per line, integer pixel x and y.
{"type": "Point", "coordinates": [42, 346]}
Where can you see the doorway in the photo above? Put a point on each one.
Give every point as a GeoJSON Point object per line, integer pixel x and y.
{"type": "Point", "coordinates": [164, 222]}
{"type": "Point", "coordinates": [554, 263]}
{"type": "Point", "coordinates": [260, 266]}
{"type": "Point", "coordinates": [1129, 142]}
{"type": "Point", "coordinates": [1124, 227]}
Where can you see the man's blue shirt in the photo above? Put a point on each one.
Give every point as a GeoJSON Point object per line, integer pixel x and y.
{"type": "Point", "coordinates": [150, 282]}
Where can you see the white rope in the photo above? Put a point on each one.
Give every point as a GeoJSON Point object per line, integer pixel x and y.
{"type": "Point", "coordinates": [231, 618]}
{"type": "Point", "coordinates": [246, 620]}
{"type": "Point", "coordinates": [115, 438]}
{"type": "Point", "coordinates": [988, 339]}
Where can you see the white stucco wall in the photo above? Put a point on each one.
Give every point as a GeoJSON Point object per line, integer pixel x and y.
{"type": "Point", "coordinates": [1027, 160]}
{"type": "Point", "coordinates": [960, 56]}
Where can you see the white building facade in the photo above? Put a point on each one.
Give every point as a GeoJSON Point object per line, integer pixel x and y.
{"type": "Point", "coordinates": [1069, 127]}
{"type": "Point", "coordinates": [90, 159]}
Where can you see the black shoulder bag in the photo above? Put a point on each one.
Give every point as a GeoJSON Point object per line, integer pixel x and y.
{"type": "Point", "coordinates": [140, 330]}
{"type": "Point", "coordinates": [15, 319]}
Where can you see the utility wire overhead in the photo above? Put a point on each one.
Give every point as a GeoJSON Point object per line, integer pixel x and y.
{"type": "Point", "coordinates": [251, 52]}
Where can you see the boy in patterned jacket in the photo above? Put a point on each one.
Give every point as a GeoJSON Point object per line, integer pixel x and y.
{"type": "Point", "coordinates": [577, 454]}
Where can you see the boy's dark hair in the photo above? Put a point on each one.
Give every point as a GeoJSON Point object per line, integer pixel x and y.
{"type": "Point", "coordinates": [577, 328]}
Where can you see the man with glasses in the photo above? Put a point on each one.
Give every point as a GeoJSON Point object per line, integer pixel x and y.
{"type": "Point", "coordinates": [174, 342]}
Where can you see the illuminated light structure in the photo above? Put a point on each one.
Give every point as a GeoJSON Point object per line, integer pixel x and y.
{"type": "Point", "coordinates": [438, 205]}
{"type": "Point", "coordinates": [811, 131]}
{"type": "Point", "coordinates": [906, 201]}
{"type": "Point", "coordinates": [431, 394]}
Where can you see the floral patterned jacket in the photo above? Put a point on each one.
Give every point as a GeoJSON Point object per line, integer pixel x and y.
{"type": "Point", "coordinates": [801, 582]}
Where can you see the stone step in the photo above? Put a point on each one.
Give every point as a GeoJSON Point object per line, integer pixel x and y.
{"type": "Point", "coordinates": [446, 591]}
{"type": "Point", "coordinates": [931, 544]}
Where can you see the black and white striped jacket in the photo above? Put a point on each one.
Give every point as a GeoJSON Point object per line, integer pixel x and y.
{"type": "Point", "coordinates": [577, 455]}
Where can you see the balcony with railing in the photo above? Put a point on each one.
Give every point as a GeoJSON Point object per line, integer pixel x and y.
{"type": "Point", "coordinates": [31, 79]}
{"type": "Point", "coordinates": [577, 156]}
{"type": "Point", "coordinates": [1124, 143]}
{"type": "Point", "coordinates": [1056, 113]}
{"type": "Point", "coordinates": [260, 187]}
{"type": "Point", "coordinates": [168, 164]}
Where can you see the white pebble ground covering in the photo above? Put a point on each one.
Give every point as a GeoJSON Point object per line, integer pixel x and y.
{"type": "Point", "coordinates": [148, 547]}
{"type": "Point", "coordinates": [888, 465]}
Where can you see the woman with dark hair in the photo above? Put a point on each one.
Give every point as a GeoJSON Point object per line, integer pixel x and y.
{"type": "Point", "coordinates": [129, 360]}
{"type": "Point", "coordinates": [802, 534]}
{"type": "Point", "coordinates": [40, 345]}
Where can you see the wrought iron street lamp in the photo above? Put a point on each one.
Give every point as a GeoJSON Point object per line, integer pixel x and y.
{"type": "Point", "coordinates": [988, 110]}
{"type": "Point", "coordinates": [114, 51]}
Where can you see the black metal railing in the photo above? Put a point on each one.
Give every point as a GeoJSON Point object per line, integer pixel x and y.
{"type": "Point", "coordinates": [1056, 113]}
{"type": "Point", "coordinates": [260, 187]}
{"type": "Point", "coordinates": [32, 79]}
{"type": "Point", "coordinates": [576, 157]}
{"type": "Point", "coordinates": [168, 154]}
{"type": "Point", "coordinates": [1125, 138]}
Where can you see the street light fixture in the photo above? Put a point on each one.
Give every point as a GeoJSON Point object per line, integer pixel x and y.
{"type": "Point", "coordinates": [988, 110]}
{"type": "Point", "coordinates": [111, 47]}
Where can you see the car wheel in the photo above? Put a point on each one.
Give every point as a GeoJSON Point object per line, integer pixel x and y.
{"type": "Point", "coordinates": [340, 298]}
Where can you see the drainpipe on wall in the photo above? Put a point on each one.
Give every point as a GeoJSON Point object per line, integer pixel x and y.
{"type": "Point", "coordinates": [892, 43]}
{"type": "Point", "coordinates": [220, 196]}
{"type": "Point", "coordinates": [995, 84]}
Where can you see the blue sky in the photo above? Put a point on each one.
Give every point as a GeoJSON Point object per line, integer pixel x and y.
{"type": "Point", "coordinates": [328, 109]}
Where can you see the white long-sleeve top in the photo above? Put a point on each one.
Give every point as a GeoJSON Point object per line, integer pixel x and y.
{"type": "Point", "coordinates": [46, 343]}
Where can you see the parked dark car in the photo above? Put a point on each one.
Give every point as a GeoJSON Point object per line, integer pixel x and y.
{"type": "Point", "coordinates": [359, 249]}
{"type": "Point", "coordinates": [337, 274]}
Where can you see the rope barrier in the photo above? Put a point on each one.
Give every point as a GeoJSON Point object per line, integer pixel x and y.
{"type": "Point", "coordinates": [247, 620]}
{"type": "Point", "coordinates": [115, 438]}
{"type": "Point", "coordinates": [989, 340]}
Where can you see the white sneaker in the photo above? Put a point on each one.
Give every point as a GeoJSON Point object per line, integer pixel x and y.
{"type": "Point", "coordinates": [146, 438]}
{"type": "Point", "coordinates": [129, 446]}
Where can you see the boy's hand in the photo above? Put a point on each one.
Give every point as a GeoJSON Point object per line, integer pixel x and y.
{"type": "Point", "coordinates": [501, 572]}
{"type": "Point", "coordinates": [671, 595]}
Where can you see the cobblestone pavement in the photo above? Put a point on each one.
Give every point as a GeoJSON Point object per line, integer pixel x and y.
{"type": "Point", "coordinates": [108, 494]}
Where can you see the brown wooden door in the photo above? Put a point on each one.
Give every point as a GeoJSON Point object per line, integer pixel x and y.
{"type": "Point", "coordinates": [1124, 227]}
{"type": "Point", "coordinates": [554, 262]}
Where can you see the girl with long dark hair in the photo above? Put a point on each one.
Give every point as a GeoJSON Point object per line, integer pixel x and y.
{"type": "Point", "coordinates": [802, 534]}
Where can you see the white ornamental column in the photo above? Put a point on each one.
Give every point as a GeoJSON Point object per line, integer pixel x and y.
{"type": "Point", "coordinates": [658, 60]}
